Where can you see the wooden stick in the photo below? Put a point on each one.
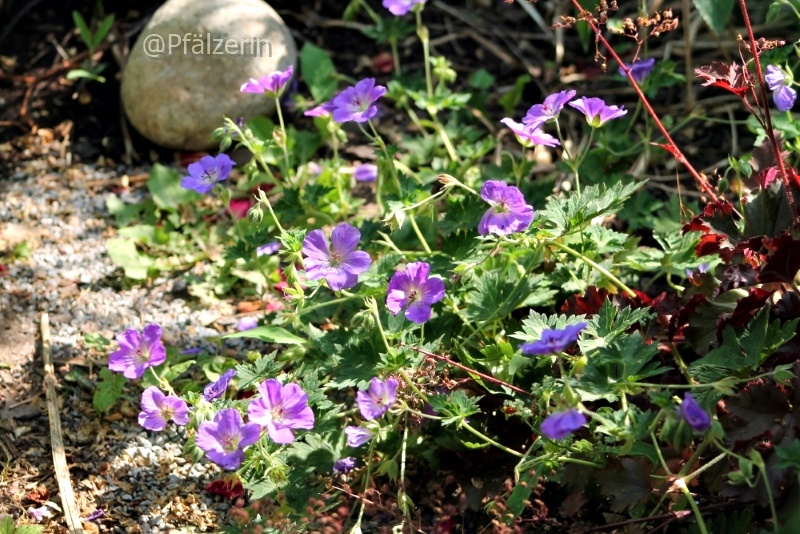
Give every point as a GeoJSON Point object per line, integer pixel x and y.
{"type": "Point", "coordinates": [71, 512]}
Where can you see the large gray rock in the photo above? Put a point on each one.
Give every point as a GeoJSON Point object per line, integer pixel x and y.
{"type": "Point", "coordinates": [184, 73]}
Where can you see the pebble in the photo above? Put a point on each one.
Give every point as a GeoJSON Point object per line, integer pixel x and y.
{"type": "Point", "coordinates": [179, 96]}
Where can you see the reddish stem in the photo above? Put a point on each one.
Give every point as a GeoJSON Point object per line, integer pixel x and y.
{"type": "Point", "coordinates": [764, 99]}
{"type": "Point", "coordinates": [467, 369]}
{"type": "Point", "coordinates": [674, 150]}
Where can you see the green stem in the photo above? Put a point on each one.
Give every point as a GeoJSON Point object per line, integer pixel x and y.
{"type": "Point", "coordinates": [373, 306]}
{"type": "Point", "coordinates": [357, 528]}
{"type": "Point", "coordinates": [395, 56]}
{"type": "Point", "coordinates": [490, 441]}
{"type": "Point", "coordinates": [401, 493]}
{"type": "Point", "coordinates": [283, 136]}
{"type": "Point", "coordinates": [417, 231]}
{"type": "Point", "coordinates": [597, 266]}
{"type": "Point", "coordinates": [689, 497]}
{"type": "Point", "coordinates": [161, 382]}
{"type": "Point", "coordinates": [422, 33]}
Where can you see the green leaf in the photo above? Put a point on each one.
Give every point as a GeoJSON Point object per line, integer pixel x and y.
{"type": "Point", "coordinates": [124, 254]}
{"type": "Point", "coordinates": [627, 359]}
{"type": "Point", "coordinates": [263, 367]}
{"type": "Point", "coordinates": [74, 74]}
{"type": "Point", "coordinates": [109, 389]}
{"type": "Point", "coordinates": [788, 456]}
{"type": "Point", "coordinates": [95, 340]}
{"type": "Point", "coordinates": [564, 215]}
{"type": "Point", "coordinates": [165, 186]}
{"type": "Point", "coordinates": [746, 352]}
{"type": "Point", "coordinates": [715, 12]}
{"type": "Point", "coordinates": [318, 72]}
{"type": "Point", "coordinates": [522, 491]}
{"type": "Point", "coordinates": [510, 100]}
{"type": "Point", "coordinates": [29, 529]}
{"type": "Point", "coordinates": [102, 30]}
{"type": "Point", "coordinates": [270, 334]}
{"type": "Point", "coordinates": [7, 525]}
{"type": "Point", "coordinates": [83, 29]}
{"type": "Point", "coordinates": [494, 296]}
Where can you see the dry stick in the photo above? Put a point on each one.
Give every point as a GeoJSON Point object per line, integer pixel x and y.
{"type": "Point", "coordinates": [467, 369]}
{"type": "Point", "coordinates": [71, 513]}
{"type": "Point", "coordinates": [769, 131]}
{"type": "Point", "coordinates": [672, 146]}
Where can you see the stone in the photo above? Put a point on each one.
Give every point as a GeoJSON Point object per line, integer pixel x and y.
{"type": "Point", "coordinates": [184, 73]}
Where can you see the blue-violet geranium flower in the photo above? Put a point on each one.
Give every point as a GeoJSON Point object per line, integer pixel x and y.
{"type": "Point", "coordinates": [779, 83]}
{"type": "Point", "coordinates": [214, 390]}
{"type": "Point", "coordinates": [357, 103]}
{"type": "Point", "coordinates": [693, 414]}
{"type": "Point", "coordinates": [378, 398]}
{"type": "Point", "coordinates": [224, 439]}
{"type": "Point", "coordinates": [554, 340]}
{"type": "Point", "coordinates": [206, 173]}
{"type": "Point", "coordinates": [559, 425]}
{"type": "Point", "coordinates": [340, 264]}
{"type": "Point", "coordinates": [508, 213]}
{"type": "Point", "coordinates": [158, 409]}
{"type": "Point", "coordinates": [138, 351]}
{"type": "Point", "coordinates": [281, 409]}
{"type": "Point", "coordinates": [414, 291]}
{"type": "Point", "coordinates": [271, 84]}
{"type": "Point", "coordinates": [596, 111]}
{"type": "Point", "coordinates": [538, 114]}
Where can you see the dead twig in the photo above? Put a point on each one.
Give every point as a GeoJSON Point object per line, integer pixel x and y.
{"type": "Point", "coordinates": [71, 513]}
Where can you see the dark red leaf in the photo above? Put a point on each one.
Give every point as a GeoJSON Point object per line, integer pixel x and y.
{"type": "Point", "coordinates": [731, 77]}
{"type": "Point", "coordinates": [783, 261]}
{"type": "Point", "coordinates": [229, 489]}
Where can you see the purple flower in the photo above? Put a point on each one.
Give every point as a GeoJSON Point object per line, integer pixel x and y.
{"type": "Point", "coordinates": [414, 291]}
{"type": "Point", "coordinates": [323, 110]}
{"type": "Point", "coordinates": [357, 103]}
{"type": "Point", "coordinates": [376, 400]}
{"type": "Point", "coordinates": [778, 82]}
{"type": "Point", "coordinates": [596, 111]}
{"type": "Point", "coordinates": [366, 172]}
{"type": "Point", "coordinates": [702, 268]}
{"type": "Point", "coordinates": [224, 439]}
{"type": "Point", "coordinates": [342, 263]}
{"type": "Point", "coordinates": [693, 414]}
{"type": "Point", "coordinates": [400, 7]}
{"type": "Point", "coordinates": [345, 465]}
{"type": "Point", "coordinates": [529, 135]}
{"type": "Point", "coordinates": [158, 409]}
{"type": "Point", "coordinates": [271, 84]}
{"type": "Point", "coordinates": [314, 169]}
{"type": "Point", "coordinates": [247, 323]}
{"type": "Point", "coordinates": [559, 425]}
{"type": "Point", "coordinates": [357, 435]}
{"type": "Point", "coordinates": [554, 340]}
{"type": "Point", "coordinates": [508, 213]}
{"type": "Point", "coordinates": [280, 409]}
{"type": "Point", "coordinates": [548, 111]}
{"type": "Point", "coordinates": [97, 514]}
{"type": "Point", "coordinates": [215, 389]}
{"type": "Point", "coordinates": [204, 174]}
{"type": "Point", "coordinates": [270, 248]}
{"type": "Point", "coordinates": [39, 514]}
{"type": "Point", "coordinates": [138, 352]}
{"type": "Point", "coordinates": [639, 70]}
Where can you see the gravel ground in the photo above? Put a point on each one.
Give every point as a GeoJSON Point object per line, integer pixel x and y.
{"type": "Point", "coordinates": [139, 479]}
